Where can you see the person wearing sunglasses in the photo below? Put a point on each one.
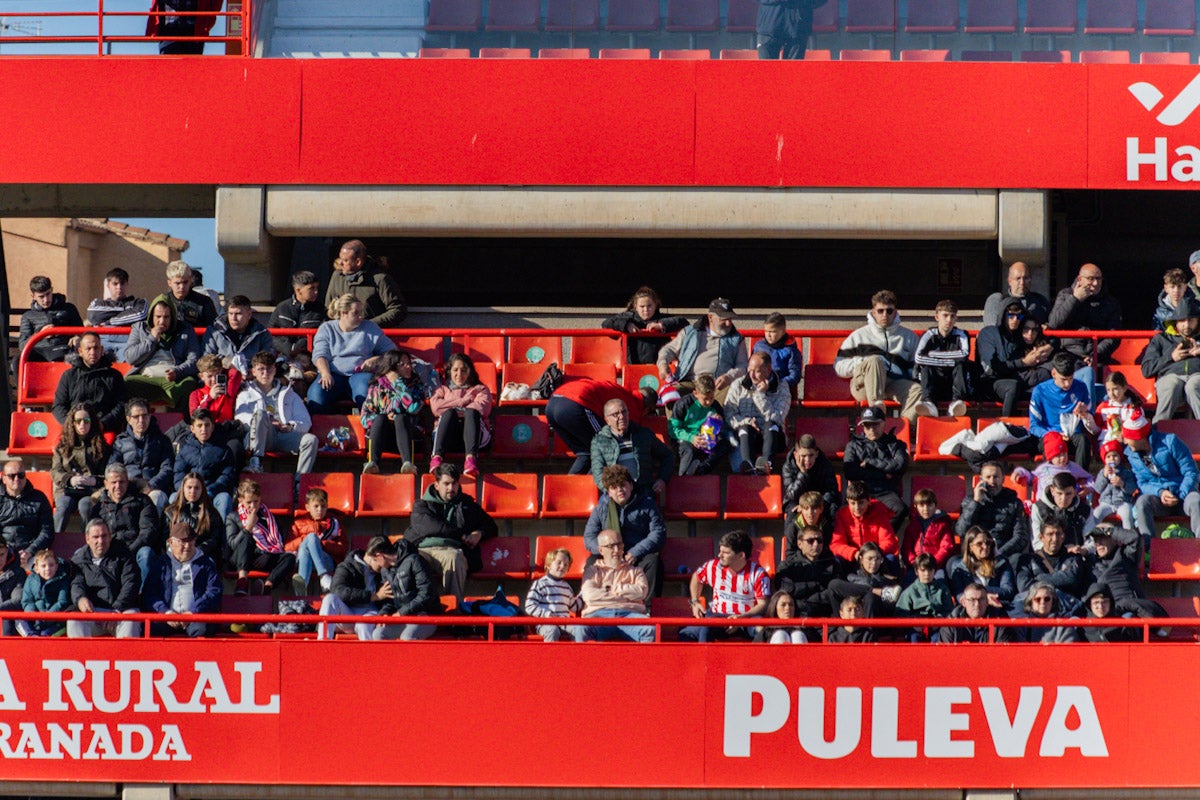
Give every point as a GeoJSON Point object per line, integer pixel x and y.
{"type": "Point", "coordinates": [26, 521]}
{"type": "Point", "coordinates": [877, 359]}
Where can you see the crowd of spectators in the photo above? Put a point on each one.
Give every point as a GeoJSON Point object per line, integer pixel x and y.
{"type": "Point", "coordinates": [164, 513]}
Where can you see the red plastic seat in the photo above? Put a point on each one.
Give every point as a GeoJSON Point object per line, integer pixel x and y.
{"type": "Point", "coordinates": [825, 17]}
{"type": "Point", "coordinates": [480, 348]}
{"type": "Point", "coordinates": [823, 349]}
{"type": "Point", "coordinates": [38, 381]}
{"type": "Point", "coordinates": [444, 52]}
{"type": "Point", "coordinates": [985, 55]}
{"type": "Point", "coordinates": [504, 557]}
{"type": "Point", "coordinates": [1111, 17]}
{"type": "Point", "coordinates": [1044, 57]}
{"type": "Point", "coordinates": [33, 433]}
{"type": "Point", "coordinates": [625, 53]}
{"type": "Point", "coordinates": [924, 55]}
{"type": "Point", "coordinates": [693, 16]}
{"type": "Point", "coordinates": [1104, 57]}
{"type": "Point", "coordinates": [505, 52]}
{"type": "Point", "coordinates": [568, 496]}
{"type": "Point", "coordinates": [932, 16]}
{"type": "Point", "coordinates": [1129, 350]}
{"type": "Point", "coordinates": [684, 55]}
{"type": "Point", "coordinates": [754, 497]}
{"type": "Point", "coordinates": [1188, 431]}
{"type": "Point", "coordinates": [824, 388]}
{"type": "Point", "coordinates": [739, 55]}
{"type": "Point", "coordinates": [427, 348]}
{"type": "Point", "coordinates": [899, 427]}
{"type": "Point", "coordinates": [564, 52]}
{"type": "Point", "coordinates": [597, 372]}
{"type": "Point", "coordinates": [322, 424]}
{"type": "Point", "coordinates": [681, 556]}
{"type": "Point", "coordinates": [1174, 560]}
{"type": "Point", "coordinates": [991, 16]}
{"type": "Point", "coordinates": [1180, 57]}
{"type": "Point", "coordinates": [514, 15]}
{"type": "Point", "coordinates": [1170, 18]}
{"type": "Point", "coordinates": [522, 373]}
{"type": "Point", "coordinates": [66, 543]}
{"type": "Point", "coordinates": [598, 349]}
{"type": "Point", "coordinates": [865, 55]}
{"type": "Point", "coordinates": [763, 553]}
{"type": "Point", "coordinates": [276, 490]}
{"type": "Point", "coordinates": [693, 497]}
{"type": "Point", "coordinates": [338, 485]}
{"type": "Point", "coordinates": [386, 495]}
{"type": "Point", "coordinates": [42, 481]}
{"type": "Point", "coordinates": [544, 350]}
{"type": "Point", "coordinates": [632, 16]}
{"type": "Point", "coordinates": [1134, 377]}
{"type": "Point", "coordinates": [1051, 16]}
{"type": "Point", "coordinates": [510, 495]}
{"type": "Point", "coordinates": [636, 376]}
{"type": "Point", "coordinates": [454, 15]}
{"type": "Point", "coordinates": [572, 16]}
{"type": "Point", "coordinates": [546, 544]}
{"type": "Point", "coordinates": [489, 376]}
{"type": "Point", "coordinates": [742, 15]}
{"type": "Point", "coordinates": [831, 433]}
{"type": "Point", "coordinates": [932, 431]}
{"type": "Point", "coordinates": [949, 489]}
{"type": "Point", "coordinates": [520, 436]}
{"type": "Point", "coordinates": [871, 16]}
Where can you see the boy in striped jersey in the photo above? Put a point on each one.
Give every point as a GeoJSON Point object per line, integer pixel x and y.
{"type": "Point", "coordinates": [551, 596]}
{"type": "Point", "coordinates": [740, 588]}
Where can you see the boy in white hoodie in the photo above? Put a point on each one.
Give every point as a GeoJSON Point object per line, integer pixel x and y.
{"type": "Point", "coordinates": [275, 417]}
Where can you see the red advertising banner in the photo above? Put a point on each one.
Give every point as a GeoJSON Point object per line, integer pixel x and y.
{"type": "Point", "coordinates": [529, 714]}
{"type": "Point", "coordinates": [598, 123]}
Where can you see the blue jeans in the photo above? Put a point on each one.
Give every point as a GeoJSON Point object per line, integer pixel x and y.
{"type": "Point", "coordinates": [702, 633]}
{"type": "Point", "coordinates": [311, 555]}
{"type": "Point", "coordinates": [632, 633]}
{"type": "Point", "coordinates": [144, 556]}
{"type": "Point", "coordinates": [345, 387]}
{"type": "Point", "coordinates": [1088, 376]}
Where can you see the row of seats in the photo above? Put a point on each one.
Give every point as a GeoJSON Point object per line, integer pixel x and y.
{"type": "Point", "coordinates": [988, 17]}
{"type": "Point", "coordinates": [643, 53]}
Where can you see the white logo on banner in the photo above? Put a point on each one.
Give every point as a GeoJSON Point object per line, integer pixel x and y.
{"type": "Point", "coordinates": [1186, 167]}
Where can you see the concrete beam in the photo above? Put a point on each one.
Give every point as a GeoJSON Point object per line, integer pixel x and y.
{"type": "Point", "coordinates": [244, 243]}
{"type": "Point", "coordinates": [631, 212]}
{"type": "Point", "coordinates": [147, 791]}
{"type": "Point", "coordinates": [105, 200]}
{"type": "Point", "coordinates": [1024, 234]}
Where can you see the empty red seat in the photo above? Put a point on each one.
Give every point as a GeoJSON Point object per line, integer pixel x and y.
{"type": "Point", "coordinates": [741, 16]}
{"type": "Point", "coordinates": [924, 55]}
{"type": "Point", "coordinates": [1188, 431]}
{"type": "Point", "coordinates": [572, 16]}
{"type": "Point", "coordinates": [684, 55]}
{"type": "Point", "coordinates": [739, 55]}
{"type": "Point", "coordinates": [386, 495]}
{"type": "Point", "coordinates": [510, 495]}
{"type": "Point", "coordinates": [831, 433]}
{"type": "Point", "coordinates": [1046, 56]}
{"type": "Point", "coordinates": [1174, 560]}
{"type": "Point", "coordinates": [1165, 58]}
{"type": "Point", "coordinates": [528, 374]}
{"type": "Point", "coordinates": [444, 52]}
{"type": "Point", "coordinates": [338, 485]}
{"type": "Point", "coordinates": [33, 433]}
{"type": "Point", "coordinates": [598, 349]}
{"type": "Point", "coordinates": [693, 497]}
{"type": "Point", "coordinates": [596, 372]}
{"type": "Point", "coordinates": [521, 436]}
{"type": "Point", "coordinates": [505, 52]}
{"type": "Point", "coordinates": [865, 55]}
{"type": "Point", "coordinates": [825, 17]}
{"type": "Point", "coordinates": [693, 16]}
{"type": "Point", "coordinates": [640, 376]}
{"type": "Point", "coordinates": [564, 52]}
{"type": "Point", "coordinates": [42, 481]}
{"type": "Point", "coordinates": [991, 16]}
{"type": "Point", "coordinates": [38, 381]}
{"type": "Point", "coordinates": [763, 553]}
{"type": "Point", "coordinates": [546, 544]}
{"type": "Point", "coordinates": [932, 16]}
{"type": "Point", "coordinates": [568, 496]}
{"type": "Point", "coordinates": [1129, 350]}
{"type": "Point", "coordinates": [1170, 18]}
{"type": "Point", "coordinates": [632, 15]}
{"type": "Point", "coordinates": [823, 349]}
{"type": "Point", "coordinates": [544, 350]}
{"type": "Point", "coordinates": [480, 348]}
{"type": "Point", "coordinates": [426, 348]}
{"type": "Point", "coordinates": [504, 557]}
{"type": "Point", "coordinates": [754, 497]}
{"type": "Point", "coordinates": [824, 388]}
{"type": "Point", "coordinates": [1104, 57]}
{"type": "Point", "coordinates": [681, 556]}
{"type": "Point", "coordinates": [985, 55]}
{"type": "Point", "coordinates": [871, 16]}
{"type": "Point", "coordinates": [949, 490]}
{"type": "Point", "coordinates": [1051, 16]}
{"type": "Point", "coordinates": [66, 543]}
{"type": "Point", "coordinates": [514, 15]}
{"type": "Point", "coordinates": [454, 15]}
{"type": "Point", "coordinates": [1110, 17]}
{"type": "Point", "coordinates": [625, 53]}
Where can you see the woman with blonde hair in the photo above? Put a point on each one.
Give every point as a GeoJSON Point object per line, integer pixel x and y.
{"type": "Point", "coordinates": [345, 351]}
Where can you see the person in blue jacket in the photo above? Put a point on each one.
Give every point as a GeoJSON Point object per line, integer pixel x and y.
{"type": "Point", "coordinates": [1166, 475]}
{"type": "Point", "coordinates": [1061, 404]}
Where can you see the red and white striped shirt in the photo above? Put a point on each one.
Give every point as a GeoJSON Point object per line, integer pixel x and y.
{"type": "Point", "coordinates": [734, 592]}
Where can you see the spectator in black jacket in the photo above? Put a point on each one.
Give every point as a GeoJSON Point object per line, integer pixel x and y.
{"type": "Point", "coordinates": [146, 453]}
{"type": "Point", "coordinates": [116, 309]}
{"type": "Point", "coordinates": [106, 579]}
{"type": "Point", "coordinates": [1172, 359]}
{"type": "Point", "coordinates": [878, 459]}
{"type": "Point", "coordinates": [413, 594]}
{"type": "Point", "coordinates": [643, 314]}
{"type": "Point", "coordinates": [192, 308]}
{"type": "Point", "coordinates": [92, 380]}
{"type": "Point", "coordinates": [807, 572]}
{"type": "Point", "coordinates": [12, 583]}
{"type": "Point", "coordinates": [973, 605]}
{"type": "Point", "coordinates": [1099, 602]}
{"type": "Point", "coordinates": [200, 454]}
{"type": "Point", "coordinates": [302, 310]}
{"type": "Point", "coordinates": [359, 588]}
{"type": "Point", "coordinates": [448, 527]}
{"type": "Point", "coordinates": [1086, 306]}
{"type": "Point", "coordinates": [1115, 564]}
{"type": "Point", "coordinates": [809, 470]}
{"type": "Point", "coordinates": [811, 512]}
{"type": "Point", "coordinates": [1014, 357]}
{"type": "Point", "coordinates": [26, 521]}
{"type": "Point", "coordinates": [132, 518]}
{"type": "Point", "coordinates": [47, 309]}
{"type": "Point", "coordinates": [1052, 564]}
{"type": "Point", "coordinates": [997, 509]}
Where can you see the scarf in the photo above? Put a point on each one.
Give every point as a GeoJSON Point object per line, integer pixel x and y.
{"type": "Point", "coordinates": [265, 532]}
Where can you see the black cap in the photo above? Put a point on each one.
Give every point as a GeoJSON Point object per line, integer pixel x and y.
{"type": "Point", "coordinates": [722, 308]}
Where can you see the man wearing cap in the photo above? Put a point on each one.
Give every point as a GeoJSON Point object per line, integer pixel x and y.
{"type": "Point", "coordinates": [711, 345]}
{"type": "Point", "coordinates": [182, 581]}
{"type": "Point", "coordinates": [1036, 305]}
{"type": "Point", "coordinates": [1172, 359]}
{"type": "Point", "coordinates": [877, 458]}
{"type": "Point", "coordinates": [877, 359]}
{"type": "Point", "coordinates": [1061, 404]}
{"type": "Point", "coordinates": [1165, 473]}
{"type": "Point", "coordinates": [1194, 267]}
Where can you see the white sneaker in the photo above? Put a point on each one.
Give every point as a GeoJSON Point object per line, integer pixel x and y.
{"type": "Point", "coordinates": [963, 437]}
{"type": "Point", "coordinates": [958, 409]}
{"type": "Point", "coordinates": [926, 409]}
{"type": "Point", "coordinates": [326, 582]}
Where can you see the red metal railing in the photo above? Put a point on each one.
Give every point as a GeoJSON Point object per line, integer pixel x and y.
{"type": "Point", "coordinates": [237, 16]}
